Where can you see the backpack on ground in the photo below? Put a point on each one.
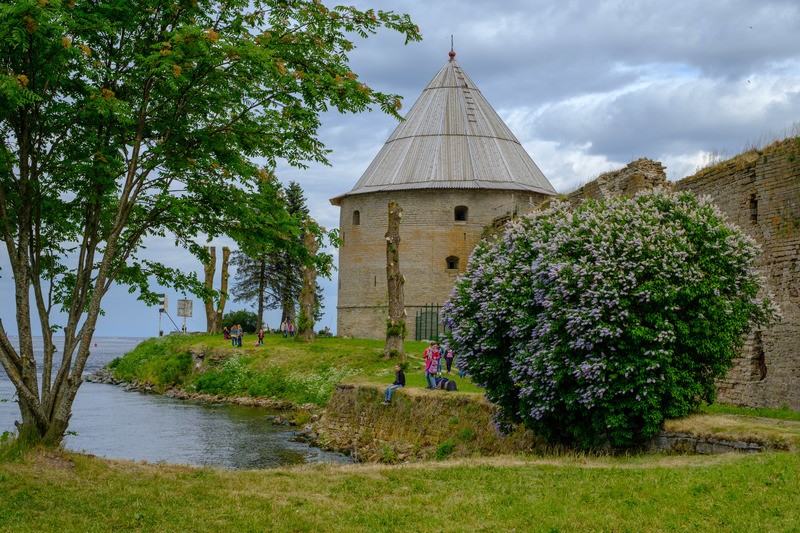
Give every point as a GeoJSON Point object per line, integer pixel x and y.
{"type": "Point", "coordinates": [451, 385]}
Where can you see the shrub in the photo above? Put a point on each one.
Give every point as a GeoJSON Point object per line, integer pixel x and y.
{"type": "Point", "coordinates": [162, 361]}
{"type": "Point", "coordinates": [247, 319]}
{"type": "Point", "coordinates": [467, 435]}
{"type": "Point", "coordinates": [445, 449]}
{"type": "Point", "coordinates": [235, 377]}
{"type": "Point", "coordinates": [593, 325]}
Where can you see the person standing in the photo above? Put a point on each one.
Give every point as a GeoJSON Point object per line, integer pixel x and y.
{"type": "Point", "coordinates": [261, 337]}
{"type": "Point", "coordinates": [284, 328]}
{"type": "Point", "coordinates": [430, 366]}
{"type": "Point", "coordinates": [234, 335]}
{"type": "Point", "coordinates": [448, 359]}
{"type": "Point", "coordinates": [240, 336]}
{"type": "Point", "coordinates": [439, 356]}
{"type": "Point", "coordinates": [291, 329]}
{"type": "Point", "coordinates": [399, 381]}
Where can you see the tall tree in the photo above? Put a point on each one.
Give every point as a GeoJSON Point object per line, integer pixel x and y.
{"type": "Point", "coordinates": [127, 121]}
{"type": "Point", "coordinates": [209, 269]}
{"type": "Point", "coordinates": [308, 296]}
{"type": "Point", "coordinates": [261, 267]}
{"type": "Point", "coordinates": [223, 290]}
{"type": "Point", "coordinates": [214, 313]}
{"type": "Point", "coordinates": [396, 319]}
{"type": "Point", "coordinates": [271, 275]}
{"type": "Point", "coordinates": [287, 278]}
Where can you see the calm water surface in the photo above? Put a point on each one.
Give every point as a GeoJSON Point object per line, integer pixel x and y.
{"type": "Point", "coordinates": [108, 422]}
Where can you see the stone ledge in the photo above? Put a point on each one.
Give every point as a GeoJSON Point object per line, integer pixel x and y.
{"type": "Point", "coordinates": [692, 444]}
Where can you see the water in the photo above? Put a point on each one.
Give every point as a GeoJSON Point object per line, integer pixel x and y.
{"type": "Point", "coordinates": [108, 422]}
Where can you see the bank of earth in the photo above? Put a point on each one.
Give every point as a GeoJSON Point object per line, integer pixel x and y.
{"type": "Point", "coordinates": [333, 390]}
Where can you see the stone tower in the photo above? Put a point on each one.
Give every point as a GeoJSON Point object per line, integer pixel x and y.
{"type": "Point", "coordinates": [454, 167]}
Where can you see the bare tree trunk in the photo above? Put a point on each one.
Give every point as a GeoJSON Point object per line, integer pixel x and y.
{"type": "Point", "coordinates": [210, 269]}
{"type": "Point", "coordinates": [223, 289]}
{"type": "Point", "coordinates": [396, 322]}
{"type": "Point", "coordinates": [262, 286]}
{"type": "Point", "coordinates": [308, 296]}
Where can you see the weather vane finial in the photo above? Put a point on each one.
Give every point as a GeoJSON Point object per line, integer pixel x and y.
{"type": "Point", "coordinates": [452, 53]}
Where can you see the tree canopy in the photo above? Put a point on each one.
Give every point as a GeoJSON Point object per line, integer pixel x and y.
{"type": "Point", "coordinates": [592, 326]}
{"type": "Point", "coordinates": [269, 273]}
{"type": "Point", "coordinates": [127, 121]}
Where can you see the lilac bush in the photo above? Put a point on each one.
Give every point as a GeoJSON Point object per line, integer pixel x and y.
{"type": "Point", "coordinates": [592, 325]}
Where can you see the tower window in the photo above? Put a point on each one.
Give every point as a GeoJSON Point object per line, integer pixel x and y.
{"type": "Point", "coordinates": [460, 213]}
{"type": "Point", "coordinates": [452, 262]}
{"type": "Point", "coordinates": [356, 217]}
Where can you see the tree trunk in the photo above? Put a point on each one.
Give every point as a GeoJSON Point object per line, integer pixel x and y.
{"type": "Point", "coordinates": [223, 289]}
{"type": "Point", "coordinates": [210, 269]}
{"type": "Point", "coordinates": [396, 322]}
{"type": "Point", "coordinates": [308, 296]}
{"type": "Point", "coordinates": [262, 287]}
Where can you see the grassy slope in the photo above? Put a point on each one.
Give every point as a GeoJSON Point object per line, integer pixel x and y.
{"type": "Point", "coordinates": [301, 368]}
{"type": "Point", "coordinates": [50, 491]}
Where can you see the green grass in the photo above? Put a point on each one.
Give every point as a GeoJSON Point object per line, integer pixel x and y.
{"type": "Point", "coordinates": [53, 491]}
{"type": "Point", "coordinates": [284, 369]}
{"type": "Point", "coordinates": [778, 414]}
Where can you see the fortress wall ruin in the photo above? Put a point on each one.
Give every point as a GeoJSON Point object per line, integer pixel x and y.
{"type": "Point", "coordinates": [760, 192]}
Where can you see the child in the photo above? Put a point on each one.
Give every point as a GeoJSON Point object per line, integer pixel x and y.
{"type": "Point", "coordinates": [399, 381]}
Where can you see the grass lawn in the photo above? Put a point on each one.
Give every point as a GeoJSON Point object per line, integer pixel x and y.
{"type": "Point", "coordinates": [55, 491]}
{"type": "Point", "coordinates": [51, 490]}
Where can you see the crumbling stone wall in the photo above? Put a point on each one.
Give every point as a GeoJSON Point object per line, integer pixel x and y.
{"type": "Point", "coordinates": [642, 174]}
{"type": "Point", "coordinates": [760, 192]}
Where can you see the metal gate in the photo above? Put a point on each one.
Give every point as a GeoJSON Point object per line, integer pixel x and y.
{"type": "Point", "coordinates": [428, 326]}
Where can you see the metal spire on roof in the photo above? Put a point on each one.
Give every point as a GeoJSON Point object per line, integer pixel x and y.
{"type": "Point", "coordinates": [452, 54]}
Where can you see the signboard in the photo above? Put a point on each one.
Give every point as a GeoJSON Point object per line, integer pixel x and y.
{"type": "Point", "coordinates": [185, 308]}
{"type": "Point", "coordinates": [163, 305]}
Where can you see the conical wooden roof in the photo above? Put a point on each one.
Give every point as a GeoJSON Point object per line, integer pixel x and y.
{"type": "Point", "coordinates": [453, 139]}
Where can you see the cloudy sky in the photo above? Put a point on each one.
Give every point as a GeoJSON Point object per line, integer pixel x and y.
{"type": "Point", "coordinates": [586, 86]}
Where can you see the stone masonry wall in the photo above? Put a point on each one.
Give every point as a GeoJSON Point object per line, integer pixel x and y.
{"type": "Point", "coordinates": [642, 174]}
{"type": "Point", "coordinates": [760, 192]}
{"type": "Point", "coordinates": [429, 235]}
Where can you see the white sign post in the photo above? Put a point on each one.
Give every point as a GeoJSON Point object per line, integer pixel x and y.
{"type": "Point", "coordinates": [184, 310]}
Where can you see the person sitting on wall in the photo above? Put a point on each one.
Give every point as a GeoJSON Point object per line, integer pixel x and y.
{"type": "Point", "coordinates": [399, 381]}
